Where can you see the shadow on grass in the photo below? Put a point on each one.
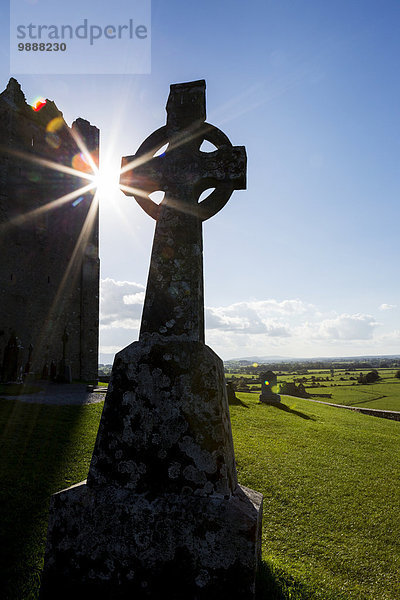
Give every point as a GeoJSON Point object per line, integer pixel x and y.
{"type": "Point", "coordinates": [294, 412]}
{"type": "Point", "coordinates": [17, 389]}
{"type": "Point", "coordinates": [237, 402]}
{"type": "Point", "coordinates": [36, 445]}
{"type": "Point", "coordinates": [285, 408]}
{"type": "Point", "coordinates": [291, 411]}
{"type": "Point", "coordinates": [274, 584]}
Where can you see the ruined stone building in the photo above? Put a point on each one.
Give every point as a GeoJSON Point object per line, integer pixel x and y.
{"type": "Point", "coordinates": [49, 264]}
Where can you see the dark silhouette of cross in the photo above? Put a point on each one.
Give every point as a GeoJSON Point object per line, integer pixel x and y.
{"type": "Point", "coordinates": [174, 304]}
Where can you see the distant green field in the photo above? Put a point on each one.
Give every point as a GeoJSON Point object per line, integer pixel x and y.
{"type": "Point", "coordinates": [384, 394]}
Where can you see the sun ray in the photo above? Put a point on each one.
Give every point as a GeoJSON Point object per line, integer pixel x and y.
{"type": "Point", "coordinates": [137, 162]}
{"type": "Point", "coordinates": [52, 205]}
{"type": "Point", "coordinates": [174, 142]}
{"type": "Point", "coordinates": [82, 147]}
{"type": "Point", "coordinates": [71, 272]}
{"type": "Point", "coordinates": [133, 191]}
{"type": "Point", "coordinates": [49, 164]}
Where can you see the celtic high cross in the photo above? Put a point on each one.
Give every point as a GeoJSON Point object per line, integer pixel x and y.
{"type": "Point", "coordinates": [174, 304]}
{"type": "Point", "coordinates": [162, 496]}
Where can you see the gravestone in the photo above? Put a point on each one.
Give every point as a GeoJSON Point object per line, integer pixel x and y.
{"type": "Point", "coordinates": [53, 371]}
{"type": "Point", "coordinates": [162, 514]}
{"type": "Point", "coordinates": [28, 364]}
{"type": "Point", "coordinates": [45, 371]}
{"type": "Point", "coordinates": [10, 371]}
{"type": "Point", "coordinates": [230, 392]}
{"type": "Point", "coordinates": [64, 370]}
{"type": "Point", "coordinates": [268, 384]}
{"type": "Point", "coordinates": [289, 388]}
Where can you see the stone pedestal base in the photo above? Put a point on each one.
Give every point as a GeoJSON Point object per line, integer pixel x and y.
{"type": "Point", "coordinates": [161, 515]}
{"type": "Point", "coordinates": [165, 426]}
{"type": "Point", "coordinates": [110, 543]}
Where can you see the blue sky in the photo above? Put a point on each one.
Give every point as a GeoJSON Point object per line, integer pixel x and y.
{"type": "Point", "coordinates": [303, 263]}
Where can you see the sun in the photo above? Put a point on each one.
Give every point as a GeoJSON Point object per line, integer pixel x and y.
{"type": "Point", "coordinates": [106, 181]}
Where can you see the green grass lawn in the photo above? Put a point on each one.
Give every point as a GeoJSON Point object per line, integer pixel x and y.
{"type": "Point", "coordinates": [330, 479]}
{"type": "Point", "coordinates": [43, 449]}
{"type": "Point", "coordinates": [331, 483]}
{"type": "Point", "coordinates": [384, 394]}
{"type": "Point", "coordinates": [15, 389]}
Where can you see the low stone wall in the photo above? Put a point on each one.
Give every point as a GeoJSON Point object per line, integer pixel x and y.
{"type": "Point", "coordinates": [375, 412]}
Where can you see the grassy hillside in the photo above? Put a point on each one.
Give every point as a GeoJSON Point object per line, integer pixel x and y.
{"type": "Point", "coordinates": [330, 481]}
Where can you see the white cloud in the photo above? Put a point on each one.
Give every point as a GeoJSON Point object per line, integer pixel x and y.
{"type": "Point", "coordinates": [120, 313]}
{"type": "Point", "coordinates": [387, 306]}
{"type": "Point", "coordinates": [120, 324]}
{"type": "Point", "coordinates": [120, 303]}
{"type": "Point", "coordinates": [286, 307]}
{"type": "Point", "coordinates": [308, 332]}
{"type": "Point", "coordinates": [391, 337]}
{"type": "Point", "coordinates": [137, 298]}
{"type": "Point", "coordinates": [342, 327]}
{"type": "Point", "coordinates": [240, 321]}
{"type": "Point", "coordinates": [254, 317]}
{"type": "Point", "coordinates": [256, 327]}
{"type": "Point", "coordinates": [110, 349]}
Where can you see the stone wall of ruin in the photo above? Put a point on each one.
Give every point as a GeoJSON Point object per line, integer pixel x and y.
{"type": "Point", "coordinates": [49, 267]}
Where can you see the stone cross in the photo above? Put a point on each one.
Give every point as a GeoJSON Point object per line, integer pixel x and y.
{"type": "Point", "coordinates": [162, 513]}
{"type": "Point", "coordinates": [174, 304]}
{"type": "Point", "coordinates": [268, 383]}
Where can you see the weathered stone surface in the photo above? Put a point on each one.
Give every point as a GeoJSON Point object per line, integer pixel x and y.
{"type": "Point", "coordinates": [165, 425]}
{"type": "Point", "coordinates": [174, 303]}
{"type": "Point", "coordinates": [268, 382]}
{"type": "Point", "coordinates": [162, 515]}
{"type": "Point", "coordinates": [10, 371]}
{"type": "Point", "coordinates": [113, 543]}
{"type": "Point", "coordinates": [183, 171]}
{"type": "Point", "coordinates": [49, 267]}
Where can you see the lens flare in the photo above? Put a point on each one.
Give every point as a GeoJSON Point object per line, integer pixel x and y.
{"type": "Point", "coordinates": [53, 139]}
{"type": "Point", "coordinates": [38, 103]}
{"type": "Point", "coordinates": [81, 162]}
{"type": "Point", "coordinates": [266, 382]}
{"type": "Point", "coordinates": [77, 201]}
{"type": "Point", "coordinates": [55, 125]}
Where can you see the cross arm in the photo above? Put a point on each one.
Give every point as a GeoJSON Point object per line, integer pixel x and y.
{"type": "Point", "coordinates": [142, 174]}
{"type": "Point", "coordinates": [226, 165]}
